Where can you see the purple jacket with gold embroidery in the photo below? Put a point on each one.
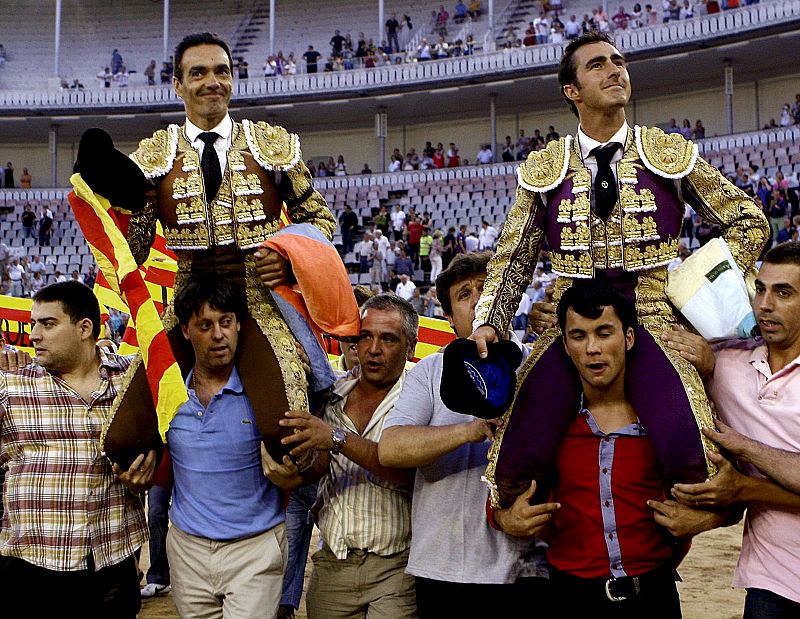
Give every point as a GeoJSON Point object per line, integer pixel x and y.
{"type": "Point", "coordinates": [632, 248]}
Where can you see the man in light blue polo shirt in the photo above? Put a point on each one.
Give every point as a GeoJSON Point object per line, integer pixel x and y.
{"type": "Point", "coordinates": [227, 545]}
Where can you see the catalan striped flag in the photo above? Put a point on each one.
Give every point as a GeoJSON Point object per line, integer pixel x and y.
{"type": "Point", "coordinates": [104, 227]}
{"type": "Point", "coordinates": [433, 334]}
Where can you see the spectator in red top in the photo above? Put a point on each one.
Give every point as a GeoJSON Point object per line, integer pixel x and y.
{"type": "Point", "coordinates": [453, 158]}
{"type": "Point", "coordinates": [438, 156]}
{"type": "Point", "coordinates": [415, 229]}
{"type": "Point", "coordinates": [621, 19]}
{"type": "Point", "coordinates": [608, 555]}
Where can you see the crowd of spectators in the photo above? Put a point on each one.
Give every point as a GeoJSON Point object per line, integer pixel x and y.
{"type": "Point", "coordinates": [39, 228]}
{"type": "Point", "coordinates": [772, 193]}
{"type": "Point", "coordinates": [400, 249]}
{"type": "Point", "coordinates": [25, 275]}
{"type": "Point", "coordinates": [790, 115]}
{"type": "Point", "coordinates": [550, 27]}
{"type": "Point", "coordinates": [117, 73]}
{"type": "Point", "coordinates": [687, 130]}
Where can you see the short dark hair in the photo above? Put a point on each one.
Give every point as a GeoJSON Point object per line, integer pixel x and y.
{"type": "Point", "coordinates": [221, 294]}
{"type": "Point", "coordinates": [567, 71]}
{"type": "Point", "coordinates": [460, 268]}
{"type": "Point", "coordinates": [588, 298]}
{"type": "Point", "coordinates": [193, 40]}
{"type": "Point", "coordinates": [77, 300]}
{"type": "Point", "coordinates": [386, 302]}
{"type": "Point", "coordinates": [785, 253]}
{"type": "Point", "coordinates": [362, 293]}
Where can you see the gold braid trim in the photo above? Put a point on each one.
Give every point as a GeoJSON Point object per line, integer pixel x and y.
{"type": "Point", "coordinates": [273, 147]}
{"type": "Point", "coordinates": [511, 269]}
{"type": "Point", "coordinates": [669, 155]}
{"type": "Point", "coordinates": [313, 210]}
{"type": "Point", "coordinates": [698, 400]}
{"type": "Point", "coordinates": [544, 170]}
{"type": "Point", "coordinates": [156, 154]}
{"type": "Point", "coordinates": [127, 378]}
{"type": "Point", "coordinates": [744, 225]}
{"type": "Point", "coordinates": [266, 314]}
{"type": "Point", "coordinates": [142, 230]}
{"type": "Point", "coordinates": [539, 347]}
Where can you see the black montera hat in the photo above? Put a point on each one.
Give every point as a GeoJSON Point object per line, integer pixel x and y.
{"type": "Point", "coordinates": [480, 387]}
{"type": "Point", "coordinates": [109, 172]}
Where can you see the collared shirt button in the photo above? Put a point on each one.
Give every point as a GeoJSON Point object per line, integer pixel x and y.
{"type": "Point", "coordinates": [605, 471]}
{"type": "Point", "coordinates": [610, 536]}
{"type": "Point", "coordinates": [607, 503]}
{"type": "Point", "coordinates": [199, 413]}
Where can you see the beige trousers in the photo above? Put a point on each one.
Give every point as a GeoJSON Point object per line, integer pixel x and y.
{"type": "Point", "coordinates": [239, 579]}
{"type": "Point", "coordinates": [364, 585]}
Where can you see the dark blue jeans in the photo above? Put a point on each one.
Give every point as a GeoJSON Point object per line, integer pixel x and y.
{"type": "Point", "coordinates": [158, 523]}
{"type": "Point", "coordinates": [298, 534]}
{"type": "Point", "coordinates": [763, 604]}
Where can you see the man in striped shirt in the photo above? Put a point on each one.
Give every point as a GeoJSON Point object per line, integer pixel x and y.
{"type": "Point", "coordinates": [72, 521]}
{"type": "Point", "coordinates": [363, 509]}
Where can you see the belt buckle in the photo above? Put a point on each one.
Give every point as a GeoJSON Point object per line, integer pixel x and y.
{"type": "Point", "coordinates": [611, 596]}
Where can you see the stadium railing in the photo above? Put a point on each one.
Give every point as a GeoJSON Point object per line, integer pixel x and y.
{"type": "Point", "coordinates": [738, 22]}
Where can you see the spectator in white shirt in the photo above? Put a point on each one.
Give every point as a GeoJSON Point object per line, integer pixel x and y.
{"type": "Point", "coordinates": [398, 218]}
{"type": "Point", "coordinates": [405, 289]}
{"type": "Point", "coordinates": [487, 237]}
{"type": "Point", "coordinates": [471, 242]}
{"type": "Point", "coordinates": [573, 27]}
{"type": "Point", "coordinates": [520, 321]}
{"type": "Point", "coordinates": [16, 274]}
{"type": "Point", "coordinates": [485, 154]}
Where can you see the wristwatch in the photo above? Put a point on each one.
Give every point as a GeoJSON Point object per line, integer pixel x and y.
{"type": "Point", "coordinates": [339, 438]}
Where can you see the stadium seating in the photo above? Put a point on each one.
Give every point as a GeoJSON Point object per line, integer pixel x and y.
{"type": "Point", "coordinates": [25, 79]}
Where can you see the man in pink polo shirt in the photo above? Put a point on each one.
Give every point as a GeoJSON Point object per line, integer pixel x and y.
{"type": "Point", "coordinates": [756, 388]}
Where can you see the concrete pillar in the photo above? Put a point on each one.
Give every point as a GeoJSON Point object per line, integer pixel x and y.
{"type": "Point", "coordinates": [272, 28]}
{"type": "Point", "coordinates": [165, 32]}
{"type": "Point", "coordinates": [53, 145]}
{"type": "Point", "coordinates": [57, 54]}
{"type": "Point", "coordinates": [729, 95]}
{"type": "Point", "coordinates": [492, 33]}
{"type": "Point", "coordinates": [381, 22]}
{"type": "Point", "coordinates": [493, 125]}
{"type": "Point", "coordinates": [381, 128]}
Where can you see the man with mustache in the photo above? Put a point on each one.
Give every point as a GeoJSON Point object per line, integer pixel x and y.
{"type": "Point", "coordinates": [363, 508]}
{"type": "Point", "coordinates": [610, 204]}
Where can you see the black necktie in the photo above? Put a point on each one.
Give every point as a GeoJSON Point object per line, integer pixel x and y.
{"type": "Point", "coordinates": [209, 164]}
{"type": "Point", "coordinates": [605, 185]}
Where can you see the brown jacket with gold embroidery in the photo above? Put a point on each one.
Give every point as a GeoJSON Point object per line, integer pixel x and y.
{"type": "Point", "coordinates": [264, 169]}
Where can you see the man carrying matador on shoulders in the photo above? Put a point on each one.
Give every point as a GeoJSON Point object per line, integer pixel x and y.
{"type": "Point", "coordinates": [610, 203]}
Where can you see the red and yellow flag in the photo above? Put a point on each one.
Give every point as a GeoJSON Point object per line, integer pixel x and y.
{"type": "Point", "coordinates": [103, 227]}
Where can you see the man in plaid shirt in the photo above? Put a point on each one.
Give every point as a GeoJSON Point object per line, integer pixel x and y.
{"type": "Point", "coordinates": [72, 520]}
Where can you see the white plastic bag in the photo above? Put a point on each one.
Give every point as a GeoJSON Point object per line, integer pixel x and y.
{"type": "Point", "coordinates": [709, 290]}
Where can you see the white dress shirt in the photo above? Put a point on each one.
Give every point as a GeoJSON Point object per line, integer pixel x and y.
{"type": "Point", "coordinates": [223, 144]}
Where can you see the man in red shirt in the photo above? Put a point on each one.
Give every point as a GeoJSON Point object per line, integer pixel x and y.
{"type": "Point", "coordinates": [608, 556]}
{"type": "Point", "coordinates": [415, 229]}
